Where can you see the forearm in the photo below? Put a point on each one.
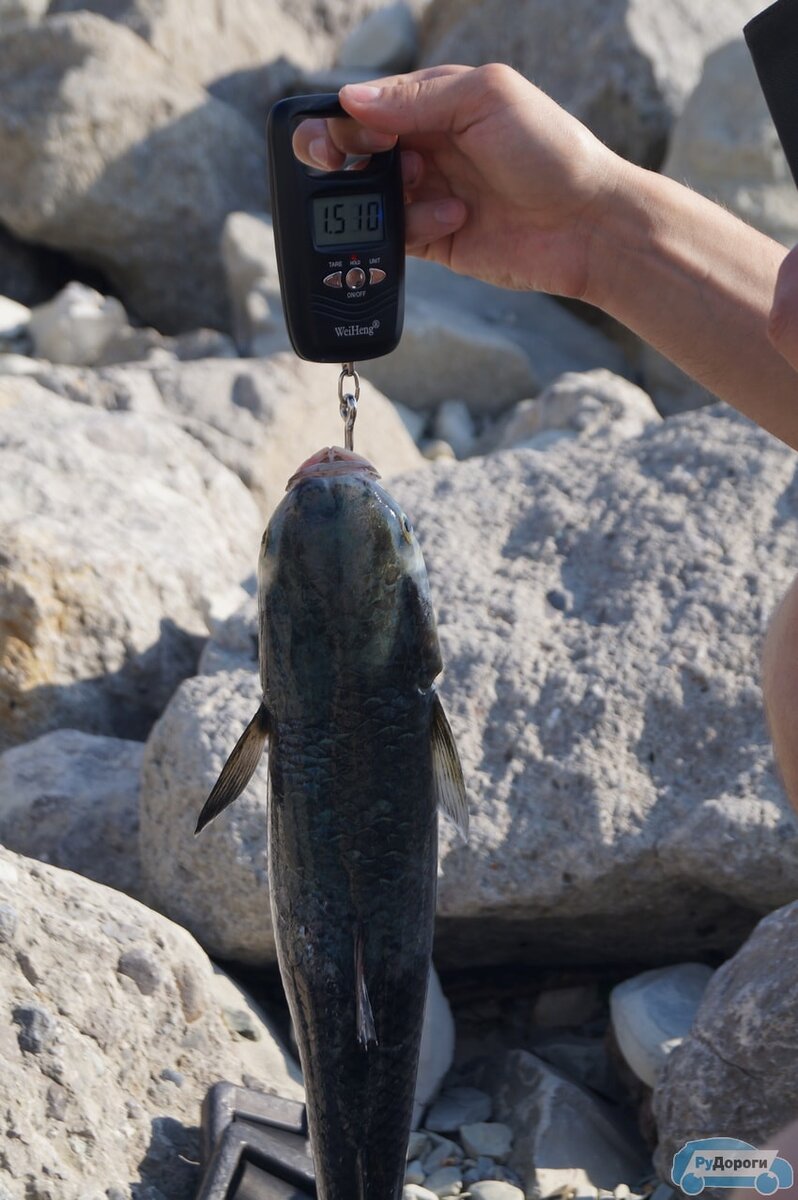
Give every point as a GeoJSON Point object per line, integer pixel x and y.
{"type": "Point", "coordinates": [697, 284]}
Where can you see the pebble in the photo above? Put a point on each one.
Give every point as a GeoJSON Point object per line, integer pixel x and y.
{"type": "Point", "coordinates": [37, 1029]}
{"type": "Point", "coordinates": [415, 1172]}
{"type": "Point", "coordinates": [495, 1189]}
{"type": "Point", "coordinates": [418, 1146]}
{"type": "Point", "coordinates": [456, 1107]}
{"type": "Point", "coordinates": [172, 1076]}
{"type": "Point", "coordinates": [443, 1153]}
{"type": "Point", "coordinates": [412, 1191]}
{"type": "Point", "coordinates": [435, 449]}
{"type": "Point", "coordinates": [446, 1181]}
{"type": "Point", "coordinates": [141, 967]}
{"type": "Point", "coordinates": [492, 1139]}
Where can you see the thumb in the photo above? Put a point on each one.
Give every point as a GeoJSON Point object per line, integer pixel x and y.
{"type": "Point", "coordinates": [422, 102]}
{"type": "Point", "coordinates": [783, 322]}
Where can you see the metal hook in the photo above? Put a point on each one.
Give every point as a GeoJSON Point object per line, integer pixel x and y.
{"type": "Point", "coordinates": [347, 402]}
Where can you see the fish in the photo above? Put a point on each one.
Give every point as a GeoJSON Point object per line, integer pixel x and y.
{"type": "Point", "coordinates": [361, 758]}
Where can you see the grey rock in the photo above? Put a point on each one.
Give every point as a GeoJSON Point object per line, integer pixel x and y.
{"type": "Point", "coordinates": [444, 1153]}
{"type": "Point", "coordinates": [419, 1145]}
{"type": "Point", "coordinates": [559, 1007]}
{"type": "Point", "coordinates": [386, 41]}
{"type": "Point", "coordinates": [9, 919]}
{"type": "Point", "coordinates": [30, 274]}
{"type": "Point", "coordinates": [489, 1138]}
{"type": "Point", "coordinates": [736, 1068]}
{"type": "Point", "coordinates": [415, 1172]}
{"type": "Point", "coordinates": [76, 325]}
{"type": "Point", "coordinates": [14, 321]}
{"type": "Point", "coordinates": [446, 1181]}
{"type": "Point", "coordinates": [562, 1135]}
{"type": "Point", "coordinates": [71, 799]}
{"type": "Point", "coordinates": [142, 968]}
{"type": "Point", "coordinates": [94, 1102]}
{"type": "Point", "coordinates": [90, 115]}
{"type": "Point", "coordinates": [582, 1059]}
{"type": "Point", "coordinates": [647, 56]}
{"type": "Point", "coordinates": [458, 1106]}
{"type": "Point", "coordinates": [454, 424]}
{"type": "Point", "coordinates": [253, 284]}
{"type": "Point", "coordinates": [652, 1013]}
{"type": "Point", "coordinates": [493, 1189]}
{"type": "Point", "coordinates": [118, 537]}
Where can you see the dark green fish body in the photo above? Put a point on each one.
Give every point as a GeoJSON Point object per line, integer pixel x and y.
{"type": "Point", "coordinates": [360, 758]}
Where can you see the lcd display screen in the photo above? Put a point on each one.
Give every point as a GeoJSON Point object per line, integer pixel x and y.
{"type": "Point", "coordinates": [348, 220]}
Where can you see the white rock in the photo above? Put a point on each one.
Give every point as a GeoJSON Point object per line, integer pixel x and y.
{"type": "Point", "coordinates": [76, 325]}
{"type": "Point", "coordinates": [71, 799]}
{"type": "Point", "coordinates": [117, 532]}
{"type": "Point", "coordinates": [436, 450]}
{"type": "Point", "coordinates": [387, 40]}
{"type": "Point", "coordinates": [245, 1019]}
{"type": "Point", "coordinates": [454, 424]}
{"type": "Point", "coordinates": [110, 1037]}
{"type": "Point", "coordinates": [18, 364]}
{"type": "Point", "coordinates": [493, 1189]}
{"type": "Point", "coordinates": [489, 1138]}
{"type": "Point", "coordinates": [412, 1191]}
{"type": "Point", "coordinates": [444, 1153]}
{"type": "Point", "coordinates": [458, 1106]}
{"type": "Point", "coordinates": [446, 1181]}
{"type": "Point", "coordinates": [14, 317]}
{"type": "Point", "coordinates": [652, 1013]}
{"type": "Point", "coordinates": [651, 56]}
{"type": "Point", "coordinates": [562, 1135]}
{"type": "Point", "coordinates": [250, 264]}
{"type": "Point", "coordinates": [437, 1045]}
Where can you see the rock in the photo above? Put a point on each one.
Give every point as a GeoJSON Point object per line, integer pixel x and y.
{"type": "Point", "coordinates": [492, 1189]}
{"type": "Point", "coordinates": [386, 41]}
{"type": "Point", "coordinates": [72, 800]}
{"type": "Point", "coordinates": [562, 1135]}
{"type": "Point", "coordinates": [735, 1070]}
{"type": "Point", "coordinates": [415, 1173]}
{"type": "Point", "coordinates": [30, 274]}
{"type": "Point", "coordinates": [248, 1020]}
{"type": "Point", "coordinates": [14, 321]}
{"type": "Point", "coordinates": [446, 1181]}
{"type": "Point", "coordinates": [412, 1191]}
{"type": "Point", "coordinates": [119, 536]}
{"type": "Point", "coordinates": [76, 325]}
{"type": "Point", "coordinates": [418, 1145]}
{"type": "Point", "coordinates": [437, 1046]}
{"type": "Point", "coordinates": [262, 418]}
{"type": "Point", "coordinates": [444, 1153]}
{"type": "Point", "coordinates": [458, 1106]}
{"type": "Point", "coordinates": [600, 614]}
{"type": "Point", "coordinates": [90, 116]}
{"type": "Point", "coordinates": [414, 422]}
{"type": "Point", "coordinates": [725, 146]}
{"type": "Point", "coordinates": [650, 54]}
{"type": "Point", "coordinates": [18, 364]}
{"type": "Point", "coordinates": [583, 1060]}
{"type": "Point", "coordinates": [436, 450]}
{"type": "Point", "coordinates": [107, 1055]}
{"type": "Point", "coordinates": [454, 425]}
{"type": "Point", "coordinates": [253, 284]}
{"type": "Point", "coordinates": [652, 1013]}
{"type": "Point", "coordinates": [558, 1007]}
{"type": "Point", "coordinates": [595, 405]}
{"type": "Point", "coordinates": [490, 1138]}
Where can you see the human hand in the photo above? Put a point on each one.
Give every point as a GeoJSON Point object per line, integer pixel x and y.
{"type": "Point", "coordinates": [783, 323]}
{"type": "Point", "coordinates": [501, 183]}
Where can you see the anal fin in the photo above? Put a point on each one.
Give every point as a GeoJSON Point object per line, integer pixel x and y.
{"type": "Point", "coordinates": [239, 768]}
{"type": "Point", "coordinates": [448, 774]}
{"type": "Point", "coordinates": [366, 1030]}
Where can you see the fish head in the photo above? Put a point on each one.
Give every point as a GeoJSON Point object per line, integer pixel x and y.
{"type": "Point", "coordinates": [342, 585]}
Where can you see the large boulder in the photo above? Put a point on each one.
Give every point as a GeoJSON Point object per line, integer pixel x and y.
{"type": "Point", "coordinates": [601, 612]}
{"type": "Point", "coordinates": [735, 1073]}
{"type": "Point", "coordinates": [105, 154]}
{"type": "Point", "coordinates": [118, 537]}
{"type": "Point", "coordinates": [110, 1034]}
{"type": "Point", "coordinates": [645, 56]}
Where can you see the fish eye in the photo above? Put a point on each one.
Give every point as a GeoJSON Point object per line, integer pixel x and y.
{"type": "Point", "coordinates": [407, 528]}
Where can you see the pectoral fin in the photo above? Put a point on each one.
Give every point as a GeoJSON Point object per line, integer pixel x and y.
{"type": "Point", "coordinates": [449, 783]}
{"type": "Point", "coordinates": [366, 1031]}
{"type": "Point", "coordinates": [239, 768]}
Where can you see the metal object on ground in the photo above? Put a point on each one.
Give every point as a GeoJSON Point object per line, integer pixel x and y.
{"type": "Point", "coordinates": [254, 1147]}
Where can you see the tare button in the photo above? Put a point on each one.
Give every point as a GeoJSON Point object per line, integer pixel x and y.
{"type": "Point", "coordinates": [334, 279]}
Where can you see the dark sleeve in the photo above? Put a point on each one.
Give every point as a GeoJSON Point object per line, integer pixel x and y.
{"type": "Point", "coordinates": [772, 38]}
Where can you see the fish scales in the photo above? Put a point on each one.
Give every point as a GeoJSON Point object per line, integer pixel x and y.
{"type": "Point", "coordinates": [360, 758]}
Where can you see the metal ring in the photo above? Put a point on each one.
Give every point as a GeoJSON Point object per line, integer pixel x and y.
{"type": "Point", "coordinates": [348, 372]}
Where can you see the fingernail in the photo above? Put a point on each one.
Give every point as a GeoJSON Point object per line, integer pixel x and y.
{"type": "Point", "coordinates": [362, 93]}
{"type": "Point", "coordinates": [318, 151]}
{"type": "Point", "coordinates": [448, 211]}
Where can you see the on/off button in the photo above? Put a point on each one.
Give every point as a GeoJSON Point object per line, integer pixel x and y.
{"type": "Point", "coordinates": [355, 278]}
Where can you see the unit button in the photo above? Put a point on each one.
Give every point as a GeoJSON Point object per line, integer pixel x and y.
{"type": "Point", "coordinates": [355, 278]}
{"type": "Point", "coordinates": [333, 280]}
{"type": "Point", "coordinates": [376, 275]}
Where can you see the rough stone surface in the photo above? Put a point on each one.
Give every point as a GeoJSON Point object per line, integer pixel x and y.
{"type": "Point", "coordinates": [386, 41]}
{"type": "Point", "coordinates": [71, 799]}
{"type": "Point", "coordinates": [110, 1035]}
{"type": "Point", "coordinates": [653, 1012]}
{"type": "Point", "coordinates": [597, 406]}
{"type": "Point", "coordinates": [648, 55]}
{"type": "Point", "coordinates": [490, 1138]}
{"type": "Point", "coordinates": [736, 1069]}
{"type": "Point", "coordinates": [250, 264]}
{"type": "Point", "coordinates": [458, 1106]}
{"type": "Point", "coordinates": [90, 116]}
{"type": "Point", "coordinates": [601, 614]}
{"type": "Point", "coordinates": [563, 1137]}
{"type": "Point", "coordinates": [119, 536]}
{"type": "Point", "coordinates": [76, 325]}
{"type": "Point", "coordinates": [493, 1189]}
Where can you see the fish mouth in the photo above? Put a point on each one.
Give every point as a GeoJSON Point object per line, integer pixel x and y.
{"type": "Point", "coordinates": [332, 460]}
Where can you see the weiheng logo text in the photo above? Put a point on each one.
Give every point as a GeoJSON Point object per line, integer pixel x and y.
{"type": "Point", "coordinates": [348, 331]}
